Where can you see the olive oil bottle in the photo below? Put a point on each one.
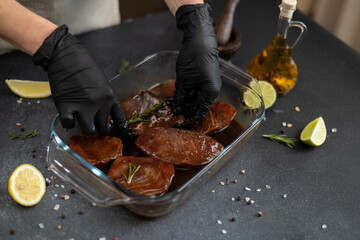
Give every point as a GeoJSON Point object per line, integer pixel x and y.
{"type": "Point", "coordinates": [275, 64]}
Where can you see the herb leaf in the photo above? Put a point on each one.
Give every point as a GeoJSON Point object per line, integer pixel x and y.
{"type": "Point", "coordinates": [150, 111]}
{"type": "Point", "coordinates": [132, 170]}
{"type": "Point", "coordinates": [290, 142]}
{"type": "Point", "coordinates": [29, 134]}
{"type": "Point", "coordinates": [125, 65]}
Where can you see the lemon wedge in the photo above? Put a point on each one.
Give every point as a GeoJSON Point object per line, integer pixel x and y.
{"type": "Point", "coordinates": [29, 89]}
{"type": "Point", "coordinates": [263, 88]}
{"type": "Point", "coordinates": [27, 185]}
{"type": "Point", "coordinates": [314, 134]}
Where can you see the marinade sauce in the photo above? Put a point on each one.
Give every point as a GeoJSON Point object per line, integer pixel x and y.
{"type": "Point", "coordinates": [225, 137]}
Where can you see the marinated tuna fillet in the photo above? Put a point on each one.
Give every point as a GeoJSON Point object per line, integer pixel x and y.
{"type": "Point", "coordinates": [99, 151]}
{"type": "Point", "coordinates": [152, 178]}
{"type": "Point", "coordinates": [220, 115]}
{"type": "Point", "coordinates": [139, 103]}
{"type": "Point", "coordinates": [179, 147]}
{"type": "Point", "coordinates": [165, 89]}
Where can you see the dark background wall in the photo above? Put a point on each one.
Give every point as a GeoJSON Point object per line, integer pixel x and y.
{"type": "Point", "coordinates": [138, 8]}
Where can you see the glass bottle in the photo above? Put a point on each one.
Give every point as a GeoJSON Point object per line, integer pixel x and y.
{"type": "Point", "coordinates": [275, 64]}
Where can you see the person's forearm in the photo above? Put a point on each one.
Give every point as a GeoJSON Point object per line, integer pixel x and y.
{"type": "Point", "coordinates": [23, 28]}
{"type": "Point", "coordinates": [173, 5]}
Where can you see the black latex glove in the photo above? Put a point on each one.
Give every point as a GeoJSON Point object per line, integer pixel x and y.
{"type": "Point", "coordinates": [197, 69]}
{"type": "Point", "coordinates": [78, 85]}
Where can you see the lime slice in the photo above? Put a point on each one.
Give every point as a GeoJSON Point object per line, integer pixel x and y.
{"type": "Point", "coordinates": [29, 89]}
{"type": "Point", "coordinates": [314, 134]}
{"type": "Point", "coordinates": [261, 87]}
{"type": "Point", "coordinates": [27, 185]}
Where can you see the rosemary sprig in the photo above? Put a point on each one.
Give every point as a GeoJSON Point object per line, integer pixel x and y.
{"type": "Point", "coordinates": [290, 142]}
{"type": "Point", "coordinates": [132, 170]}
{"type": "Point", "coordinates": [150, 111]}
{"type": "Point", "coordinates": [29, 134]}
{"type": "Point", "coordinates": [125, 65]}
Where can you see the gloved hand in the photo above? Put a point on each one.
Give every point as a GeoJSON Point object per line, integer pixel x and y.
{"type": "Point", "coordinates": [197, 69]}
{"type": "Point", "coordinates": [78, 85]}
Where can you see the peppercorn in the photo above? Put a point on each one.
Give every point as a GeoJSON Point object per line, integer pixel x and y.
{"type": "Point", "coordinates": [62, 216]}
{"type": "Point", "coordinates": [238, 198]}
{"type": "Point", "coordinates": [81, 212]}
{"type": "Point", "coordinates": [233, 219]}
{"type": "Point", "coordinates": [47, 183]}
{"type": "Point", "coordinates": [72, 191]}
{"type": "Point", "coordinates": [22, 129]}
{"type": "Point", "coordinates": [33, 150]}
{"type": "Point", "coordinates": [12, 232]}
{"type": "Point", "coordinates": [33, 155]}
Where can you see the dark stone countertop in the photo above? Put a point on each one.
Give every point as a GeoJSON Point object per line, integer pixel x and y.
{"type": "Point", "coordinates": [322, 184]}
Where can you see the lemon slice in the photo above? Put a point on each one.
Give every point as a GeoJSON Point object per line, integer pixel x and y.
{"type": "Point", "coordinates": [314, 134]}
{"type": "Point", "coordinates": [29, 89]}
{"type": "Point", "coordinates": [27, 185]}
{"type": "Point", "coordinates": [263, 88]}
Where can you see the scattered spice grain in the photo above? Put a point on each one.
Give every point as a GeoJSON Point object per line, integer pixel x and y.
{"type": "Point", "coordinates": [41, 225]}
{"type": "Point", "coordinates": [12, 232]}
{"type": "Point", "coordinates": [62, 196]}
{"type": "Point", "coordinates": [81, 212]}
{"type": "Point", "coordinates": [235, 180]}
{"type": "Point", "coordinates": [62, 216]}
{"type": "Point", "coordinates": [297, 109]}
{"type": "Point", "coordinates": [233, 219]}
{"type": "Point", "coordinates": [224, 231]}
{"type": "Point", "coordinates": [72, 191]}
{"type": "Point", "coordinates": [18, 124]}
{"type": "Point", "coordinates": [59, 227]}
{"type": "Point", "coordinates": [22, 129]}
{"type": "Point", "coordinates": [242, 171]}
{"type": "Point", "coordinates": [260, 214]}
{"type": "Point", "coordinates": [33, 150]}
{"type": "Point", "coordinates": [56, 207]}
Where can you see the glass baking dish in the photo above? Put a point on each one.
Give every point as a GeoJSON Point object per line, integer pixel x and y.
{"type": "Point", "coordinates": [101, 190]}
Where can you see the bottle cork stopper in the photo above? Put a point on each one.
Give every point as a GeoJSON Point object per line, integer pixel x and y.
{"type": "Point", "coordinates": [288, 4]}
{"type": "Point", "coordinates": [287, 8]}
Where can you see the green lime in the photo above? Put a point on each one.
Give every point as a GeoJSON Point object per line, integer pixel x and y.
{"type": "Point", "coordinates": [263, 88]}
{"type": "Point", "coordinates": [314, 134]}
